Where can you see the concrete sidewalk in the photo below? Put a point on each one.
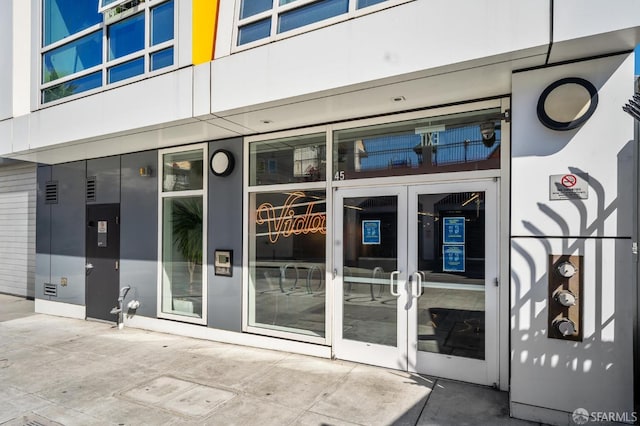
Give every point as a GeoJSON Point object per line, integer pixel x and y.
{"type": "Point", "coordinates": [63, 371]}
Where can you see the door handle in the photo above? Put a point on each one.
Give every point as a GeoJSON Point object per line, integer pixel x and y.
{"type": "Point", "coordinates": [391, 281]}
{"type": "Point", "coordinates": [88, 266]}
{"type": "Point", "coordinates": [417, 290]}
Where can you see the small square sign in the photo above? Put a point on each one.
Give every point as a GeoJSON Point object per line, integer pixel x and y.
{"type": "Point", "coordinates": [371, 232]}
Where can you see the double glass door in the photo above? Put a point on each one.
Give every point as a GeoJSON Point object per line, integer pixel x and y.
{"type": "Point", "coordinates": [416, 273]}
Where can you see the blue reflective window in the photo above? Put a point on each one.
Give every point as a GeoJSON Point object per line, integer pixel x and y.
{"type": "Point", "coordinates": [162, 23]}
{"type": "Point", "coordinates": [253, 7]}
{"type": "Point", "coordinates": [73, 57]}
{"type": "Point", "coordinates": [62, 18]}
{"type": "Point", "coordinates": [254, 31]}
{"type": "Point", "coordinates": [126, 70]}
{"type": "Point", "coordinates": [126, 36]}
{"type": "Point", "coordinates": [72, 87]}
{"type": "Point", "coordinates": [311, 13]}
{"type": "Point", "coordinates": [367, 3]}
{"type": "Point", "coordinates": [161, 59]}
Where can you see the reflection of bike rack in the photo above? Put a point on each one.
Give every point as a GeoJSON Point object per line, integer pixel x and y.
{"type": "Point", "coordinates": [375, 272]}
{"type": "Point", "coordinates": [283, 276]}
{"type": "Point", "coordinates": [312, 269]}
{"type": "Point", "coordinates": [346, 271]}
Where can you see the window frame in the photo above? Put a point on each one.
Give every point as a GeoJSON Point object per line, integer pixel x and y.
{"type": "Point", "coordinates": [162, 195]}
{"type": "Point", "coordinates": [103, 8]}
{"type": "Point", "coordinates": [330, 184]}
{"type": "Point", "coordinates": [277, 9]}
{"type": "Point", "coordinates": [147, 52]}
{"type": "Point", "coordinates": [249, 190]}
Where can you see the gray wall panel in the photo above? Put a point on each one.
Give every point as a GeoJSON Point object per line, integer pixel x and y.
{"type": "Point", "coordinates": [43, 234]}
{"type": "Point", "coordinates": [68, 232]}
{"type": "Point", "coordinates": [225, 232]}
{"type": "Point", "coordinates": [107, 173]}
{"type": "Point", "coordinates": [139, 231]}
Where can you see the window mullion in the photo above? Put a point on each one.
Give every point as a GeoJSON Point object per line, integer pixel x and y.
{"type": "Point", "coordinates": [70, 38]}
{"type": "Point", "coordinates": [147, 38]}
{"type": "Point", "coordinates": [105, 53]}
{"type": "Point", "coordinates": [70, 77]}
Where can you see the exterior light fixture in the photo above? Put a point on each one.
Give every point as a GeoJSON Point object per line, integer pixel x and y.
{"type": "Point", "coordinates": [222, 162]}
{"type": "Point", "coordinates": [567, 103]}
{"type": "Point", "coordinates": [145, 171]}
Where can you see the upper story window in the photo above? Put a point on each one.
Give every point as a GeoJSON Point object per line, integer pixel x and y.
{"type": "Point", "coordinates": [259, 21]}
{"type": "Point", "coordinates": [83, 49]}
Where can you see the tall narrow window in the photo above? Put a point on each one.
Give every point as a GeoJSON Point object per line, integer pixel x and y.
{"type": "Point", "coordinates": [182, 208]}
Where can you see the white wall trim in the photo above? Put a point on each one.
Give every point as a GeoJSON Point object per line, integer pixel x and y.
{"type": "Point", "coordinates": [60, 309]}
{"type": "Point", "coordinates": [223, 336]}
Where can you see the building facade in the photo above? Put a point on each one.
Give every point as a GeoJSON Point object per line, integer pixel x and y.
{"type": "Point", "coordinates": [440, 187]}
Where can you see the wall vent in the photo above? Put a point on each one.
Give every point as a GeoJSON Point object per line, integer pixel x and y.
{"type": "Point", "coordinates": [91, 188]}
{"type": "Point", "coordinates": [51, 192]}
{"type": "Point", "coordinates": [51, 289]}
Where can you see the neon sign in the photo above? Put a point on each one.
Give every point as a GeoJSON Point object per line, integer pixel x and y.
{"type": "Point", "coordinates": [288, 223]}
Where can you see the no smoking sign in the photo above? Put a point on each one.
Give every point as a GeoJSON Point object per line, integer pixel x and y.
{"type": "Point", "coordinates": [569, 181]}
{"type": "Point", "coordinates": [569, 186]}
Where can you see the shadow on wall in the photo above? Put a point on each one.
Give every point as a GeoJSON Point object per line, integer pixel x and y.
{"type": "Point", "coordinates": [595, 374]}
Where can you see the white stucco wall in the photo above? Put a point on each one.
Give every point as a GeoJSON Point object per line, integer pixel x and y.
{"type": "Point", "coordinates": [550, 378]}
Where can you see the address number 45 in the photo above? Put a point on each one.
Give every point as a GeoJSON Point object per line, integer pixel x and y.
{"type": "Point", "coordinates": [339, 175]}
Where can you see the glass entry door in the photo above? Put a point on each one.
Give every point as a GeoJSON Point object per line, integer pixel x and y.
{"type": "Point", "coordinates": [416, 272]}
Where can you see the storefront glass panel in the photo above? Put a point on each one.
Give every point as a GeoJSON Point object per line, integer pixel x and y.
{"type": "Point", "coordinates": [182, 256]}
{"type": "Point", "coordinates": [291, 160]}
{"type": "Point", "coordinates": [451, 260]}
{"type": "Point", "coordinates": [287, 259]}
{"type": "Point", "coordinates": [452, 143]}
{"type": "Point", "coordinates": [370, 235]}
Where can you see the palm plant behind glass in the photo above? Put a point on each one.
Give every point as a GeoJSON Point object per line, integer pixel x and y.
{"type": "Point", "coordinates": [187, 231]}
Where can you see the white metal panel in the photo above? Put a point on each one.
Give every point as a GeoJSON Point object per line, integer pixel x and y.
{"type": "Point", "coordinates": [202, 89]}
{"type": "Point", "coordinates": [17, 229]}
{"type": "Point", "coordinates": [581, 18]}
{"type": "Point", "coordinates": [20, 133]}
{"type": "Point", "coordinates": [595, 374]}
{"type": "Point", "coordinates": [184, 33]}
{"type": "Point", "coordinates": [21, 61]}
{"type": "Point", "coordinates": [6, 47]}
{"type": "Point", "coordinates": [602, 147]}
{"type": "Point", "coordinates": [6, 135]}
{"type": "Point", "coordinates": [408, 38]}
{"type": "Point", "coordinates": [161, 99]}
{"type": "Point", "coordinates": [224, 31]}
{"type": "Point", "coordinates": [579, 28]}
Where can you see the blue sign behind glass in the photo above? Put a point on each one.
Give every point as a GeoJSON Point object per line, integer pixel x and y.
{"type": "Point", "coordinates": [453, 258]}
{"type": "Point", "coordinates": [371, 232]}
{"type": "Point", "coordinates": [453, 230]}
